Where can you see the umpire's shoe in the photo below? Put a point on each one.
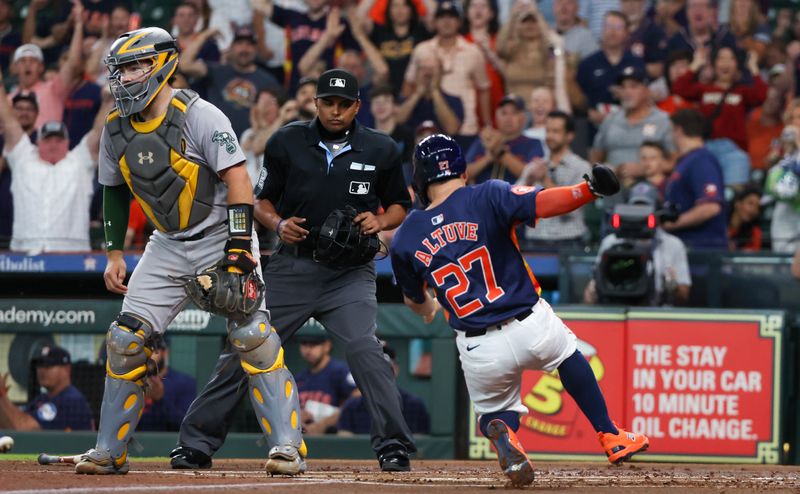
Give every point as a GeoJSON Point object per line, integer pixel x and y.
{"type": "Point", "coordinates": [394, 458]}
{"type": "Point", "coordinates": [186, 458]}
{"type": "Point", "coordinates": [512, 456]}
{"type": "Point", "coordinates": [95, 462]}
{"type": "Point", "coordinates": [622, 445]}
{"type": "Point", "coordinates": [285, 460]}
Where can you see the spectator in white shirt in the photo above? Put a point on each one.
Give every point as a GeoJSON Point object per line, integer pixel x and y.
{"type": "Point", "coordinates": [52, 186]}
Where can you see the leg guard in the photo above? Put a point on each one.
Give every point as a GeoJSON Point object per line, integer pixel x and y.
{"type": "Point", "coordinates": [272, 389]}
{"type": "Point", "coordinates": [127, 342]}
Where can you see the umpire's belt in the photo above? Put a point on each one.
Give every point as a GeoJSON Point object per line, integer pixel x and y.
{"type": "Point", "coordinates": [296, 251]}
{"type": "Point", "coordinates": [480, 332]}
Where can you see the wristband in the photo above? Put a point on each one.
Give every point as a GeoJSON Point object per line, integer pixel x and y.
{"type": "Point", "coordinates": [278, 228]}
{"type": "Point", "coordinates": [240, 220]}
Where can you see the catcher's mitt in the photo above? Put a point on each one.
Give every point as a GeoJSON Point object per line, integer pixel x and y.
{"type": "Point", "coordinates": [229, 294]}
{"type": "Point", "coordinates": [341, 243]}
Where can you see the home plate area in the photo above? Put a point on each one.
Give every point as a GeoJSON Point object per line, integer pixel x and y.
{"type": "Point", "coordinates": [349, 476]}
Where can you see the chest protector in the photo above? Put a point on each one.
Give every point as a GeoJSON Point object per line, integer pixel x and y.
{"type": "Point", "coordinates": [175, 193]}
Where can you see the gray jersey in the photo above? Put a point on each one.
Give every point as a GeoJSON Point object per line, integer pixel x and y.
{"type": "Point", "coordinates": [210, 141]}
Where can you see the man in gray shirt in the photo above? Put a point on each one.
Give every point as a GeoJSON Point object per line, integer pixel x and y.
{"type": "Point", "coordinates": [578, 39]}
{"type": "Point", "coordinates": [622, 133]}
{"type": "Point", "coordinates": [563, 168]}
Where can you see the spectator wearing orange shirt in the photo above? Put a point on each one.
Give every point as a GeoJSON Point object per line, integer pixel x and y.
{"type": "Point", "coordinates": [765, 123]}
{"type": "Point", "coordinates": [481, 27]}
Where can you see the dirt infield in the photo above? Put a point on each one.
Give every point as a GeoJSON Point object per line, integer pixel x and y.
{"type": "Point", "coordinates": [341, 476]}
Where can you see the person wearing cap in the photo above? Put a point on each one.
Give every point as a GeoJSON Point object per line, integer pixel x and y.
{"type": "Point", "coordinates": [324, 384]}
{"type": "Point", "coordinates": [311, 169]}
{"type": "Point", "coordinates": [52, 186]}
{"type": "Point", "coordinates": [231, 86]}
{"type": "Point", "coordinates": [598, 73]}
{"type": "Point", "coordinates": [354, 417]}
{"type": "Point", "coordinates": [463, 67]}
{"type": "Point", "coordinates": [502, 152]}
{"type": "Point", "coordinates": [28, 66]}
{"type": "Point", "coordinates": [621, 134]}
{"type": "Point", "coordinates": [429, 102]}
{"type": "Point", "coordinates": [61, 407]}
{"type": "Point", "coordinates": [169, 393]}
{"type": "Point", "coordinates": [670, 263]}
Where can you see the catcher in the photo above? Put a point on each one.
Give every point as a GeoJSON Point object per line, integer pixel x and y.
{"type": "Point", "coordinates": [178, 155]}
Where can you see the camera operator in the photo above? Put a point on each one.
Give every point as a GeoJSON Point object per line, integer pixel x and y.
{"type": "Point", "coordinates": [640, 263]}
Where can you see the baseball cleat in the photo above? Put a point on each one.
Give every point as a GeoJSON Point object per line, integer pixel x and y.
{"type": "Point", "coordinates": [621, 446]}
{"type": "Point", "coordinates": [285, 460]}
{"type": "Point", "coordinates": [512, 456]}
{"type": "Point", "coordinates": [95, 462]}
{"type": "Point", "coordinates": [394, 458]}
{"type": "Point", "coordinates": [186, 458]}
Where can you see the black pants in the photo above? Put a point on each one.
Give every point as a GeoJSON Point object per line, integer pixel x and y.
{"type": "Point", "coordinates": [342, 300]}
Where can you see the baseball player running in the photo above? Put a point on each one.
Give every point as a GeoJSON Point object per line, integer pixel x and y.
{"type": "Point", "coordinates": [179, 157]}
{"type": "Point", "coordinates": [463, 246]}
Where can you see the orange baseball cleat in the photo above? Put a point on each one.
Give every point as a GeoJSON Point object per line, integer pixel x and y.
{"type": "Point", "coordinates": [512, 456]}
{"type": "Point", "coordinates": [621, 446]}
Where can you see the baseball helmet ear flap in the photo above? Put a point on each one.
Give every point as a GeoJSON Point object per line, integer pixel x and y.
{"type": "Point", "coordinates": [436, 158]}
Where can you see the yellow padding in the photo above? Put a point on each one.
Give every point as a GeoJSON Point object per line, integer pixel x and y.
{"type": "Point", "coordinates": [130, 402]}
{"type": "Point", "coordinates": [179, 104]}
{"type": "Point", "coordinates": [141, 411]}
{"type": "Point", "coordinates": [112, 115]}
{"type": "Point", "coordinates": [128, 376]}
{"type": "Point", "coordinates": [149, 125]}
{"type": "Point", "coordinates": [258, 396]}
{"type": "Point", "coordinates": [294, 419]}
{"type": "Point", "coordinates": [133, 346]}
{"type": "Point", "coordinates": [121, 460]}
{"type": "Point", "coordinates": [303, 449]}
{"type": "Point", "coordinates": [148, 211]}
{"type": "Point", "coordinates": [123, 431]}
{"type": "Point", "coordinates": [288, 389]}
{"type": "Point", "coordinates": [262, 327]}
{"type": "Point", "coordinates": [189, 172]}
{"type": "Point", "coordinates": [267, 427]}
{"type": "Point", "coordinates": [255, 370]}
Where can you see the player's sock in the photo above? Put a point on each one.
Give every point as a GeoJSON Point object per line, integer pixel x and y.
{"type": "Point", "coordinates": [580, 383]}
{"type": "Point", "coordinates": [510, 418]}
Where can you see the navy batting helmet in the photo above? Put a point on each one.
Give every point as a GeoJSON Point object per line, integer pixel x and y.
{"type": "Point", "coordinates": [436, 158]}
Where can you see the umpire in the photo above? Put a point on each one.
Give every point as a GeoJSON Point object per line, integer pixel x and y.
{"type": "Point", "coordinates": [310, 169]}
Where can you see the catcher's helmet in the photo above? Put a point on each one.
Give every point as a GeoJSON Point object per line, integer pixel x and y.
{"type": "Point", "coordinates": [436, 158]}
{"type": "Point", "coordinates": [150, 43]}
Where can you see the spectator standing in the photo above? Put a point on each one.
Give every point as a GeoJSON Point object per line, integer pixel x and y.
{"type": "Point", "coordinates": [481, 27]}
{"type": "Point", "coordinates": [783, 183]}
{"type": "Point", "coordinates": [579, 42]}
{"type": "Point", "coordinates": [701, 30]}
{"type": "Point", "coordinates": [169, 394]}
{"type": "Point", "coordinates": [232, 86]}
{"type": "Point", "coordinates": [657, 164]}
{"type": "Point", "coordinates": [354, 417]}
{"type": "Point", "coordinates": [599, 72]}
{"type": "Point", "coordinates": [185, 21]}
{"type": "Point", "coordinates": [748, 26]}
{"type": "Point", "coordinates": [765, 123]}
{"type": "Point", "coordinates": [428, 101]}
{"type": "Point", "coordinates": [266, 116]}
{"type": "Point", "coordinates": [502, 152]}
{"type": "Point", "coordinates": [695, 188]}
{"type": "Point", "coordinates": [226, 17]}
{"type": "Point", "coordinates": [117, 23]}
{"type": "Point", "coordinates": [383, 114]}
{"type": "Point", "coordinates": [324, 385]}
{"type": "Point", "coordinates": [396, 38]}
{"type": "Point", "coordinates": [646, 39]}
{"type": "Point", "coordinates": [594, 12]}
{"type": "Point", "coordinates": [463, 68]}
{"type": "Point", "coordinates": [677, 64]}
{"type": "Point", "coordinates": [61, 407]}
{"type": "Point", "coordinates": [725, 102]}
{"type": "Point", "coordinates": [562, 168]}
{"type": "Point", "coordinates": [10, 37]}
{"type": "Point", "coordinates": [621, 134]}
{"type": "Point", "coordinates": [47, 25]}
{"type": "Point", "coordinates": [744, 234]}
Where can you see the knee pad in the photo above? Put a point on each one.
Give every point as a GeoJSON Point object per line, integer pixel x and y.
{"type": "Point", "coordinates": [128, 350]}
{"type": "Point", "coordinates": [258, 344]}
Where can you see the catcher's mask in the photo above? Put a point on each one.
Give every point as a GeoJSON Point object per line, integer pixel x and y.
{"type": "Point", "coordinates": [155, 54]}
{"type": "Point", "coordinates": [436, 158]}
{"type": "Point", "coordinates": [340, 242]}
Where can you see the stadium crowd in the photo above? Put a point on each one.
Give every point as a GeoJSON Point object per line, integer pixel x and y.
{"type": "Point", "coordinates": [698, 98]}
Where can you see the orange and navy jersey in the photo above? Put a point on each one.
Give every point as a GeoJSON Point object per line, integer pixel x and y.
{"type": "Point", "coordinates": [466, 250]}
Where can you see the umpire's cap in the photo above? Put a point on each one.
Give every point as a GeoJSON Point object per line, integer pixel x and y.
{"type": "Point", "coordinates": [338, 82]}
{"type": "Point", "coordinates": [436, 158]}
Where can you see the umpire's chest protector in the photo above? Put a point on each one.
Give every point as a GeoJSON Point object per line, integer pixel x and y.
{"type": "Point", "coordinates": [174, 192]}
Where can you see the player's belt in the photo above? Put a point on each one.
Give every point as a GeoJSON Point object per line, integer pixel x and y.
{"type": "Point", "coordinates": [480, 332]}
{"type": "Point", "coordinates": [201, 235]}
